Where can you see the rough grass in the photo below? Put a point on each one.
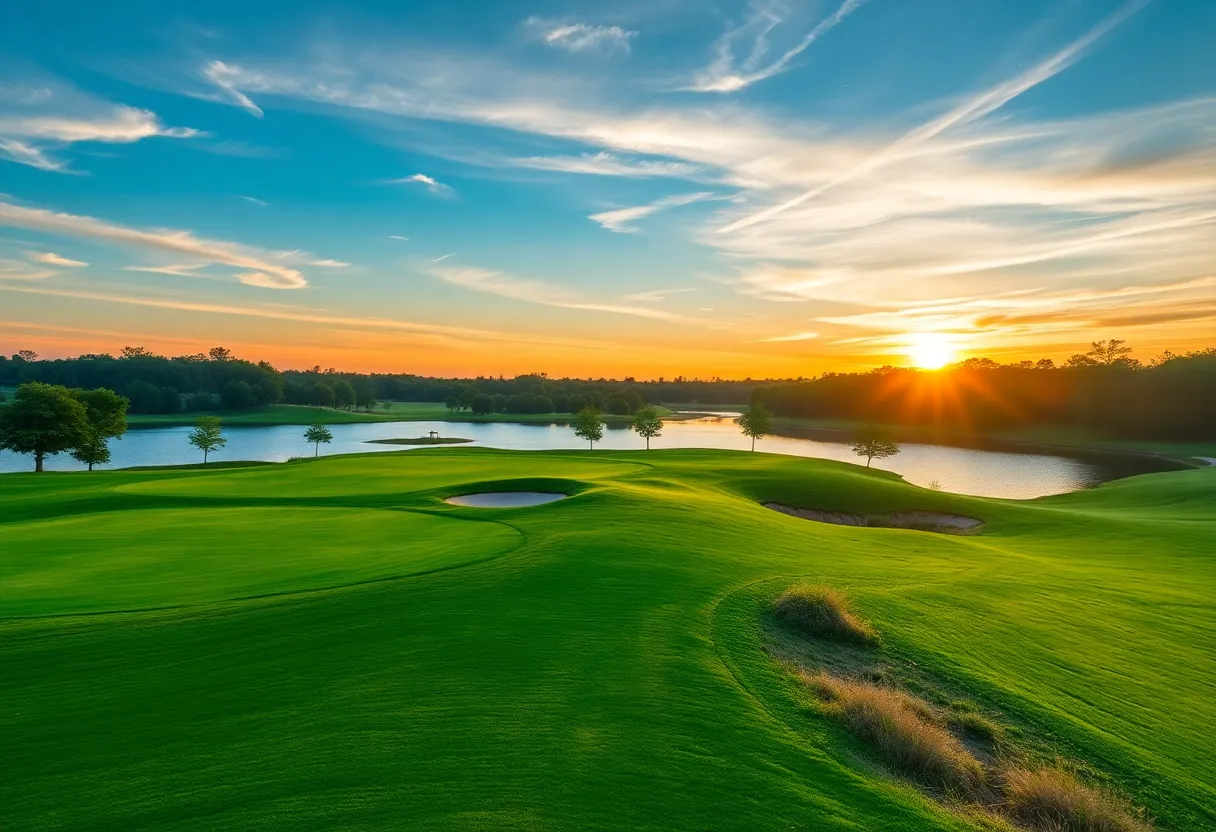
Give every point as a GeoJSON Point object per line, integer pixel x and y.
{"type": "Point", "coordinates": [1052, 800]}
{"type": "Point", "coordinates": [823, 611]}
{"type": "Point", "coordinates": [903, 730]}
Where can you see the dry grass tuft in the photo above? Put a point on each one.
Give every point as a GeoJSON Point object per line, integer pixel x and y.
{"type": "Point", "coordinates": [1054, 801]}
{"type": "Point", "coordinates": [823, 611]}
{"type": "Point", "coordinates": [904, 730]}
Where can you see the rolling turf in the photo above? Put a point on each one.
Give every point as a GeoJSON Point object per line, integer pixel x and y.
{"type": "Point", "coordinates": [328, 645]}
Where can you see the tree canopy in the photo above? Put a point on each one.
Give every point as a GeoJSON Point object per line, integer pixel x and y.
{"type": "Point", "coordinates": [756, 422]}
{"type": "Point", "coordinates": [43, 420]}
{"type": "Point", "coordinates": [648, 424]}
{"type": "Point", "coordinates": [874, 442]}
{"type": "Point", "coordinates": [207, 436]}
{"type": "Point", "coordinates": [589, 425]}
{"type": "Point", "coordinates": [316, 434]}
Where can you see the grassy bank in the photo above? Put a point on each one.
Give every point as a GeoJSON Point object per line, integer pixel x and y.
{"type": "Point", "coordinates": [327, 644]}
{"type": "Point", "coordinates": [292, 414]}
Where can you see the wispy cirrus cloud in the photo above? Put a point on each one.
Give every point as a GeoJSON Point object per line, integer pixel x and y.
{"type": "Point", "coordinates": [39, 119]}
{"type": "Point", "coordinates": [443, 257]}
{"type": "Point", "coordinates": [656, 295]}
{"type": "Point", "coordinates": [260, 202]}
{"type": "Point", "coordinates": [728, 74]}
{"type": "Point", "coordinates": [259, 267]}
{"type": "Point", "coordinates": [17, 270]}
{"type": "Point", "coordinates": [398, 237]}
{"type": "Point", "coordinates": [608, 164]}
{"type": "Point", "coordinates": [621, 219]}
{"type": "Point", "coordinates": [547, 294]}
{"type": "Point", "coordinates": [50, 258]}
{"type": "Point", "coordinates": [432, 185]}
{"type": "Point", "coordinates": [780, 339]}
{"type": "Point", "coordinates": [579, 37]}
{"type": "Point", "coordinates": [223, 77]}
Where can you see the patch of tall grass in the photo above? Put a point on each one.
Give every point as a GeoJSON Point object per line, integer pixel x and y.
{"type": "Point", "coordinates": [823, 611]}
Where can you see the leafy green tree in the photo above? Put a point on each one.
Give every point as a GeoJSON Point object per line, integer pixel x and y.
{"type": "Point", "coordinates": [617, 406]}
{"type": "Point", "coordinates": [43, 420]}
{"type": "Point", "coordinates": [344, 393]}
{"type": "Point", "coordinates": [207, 436]}
{"type": "Point", "coordinates": [322, 394]}
{"type": "Point", "coordinates": [106, 412]}
{"type": "Point", "coordinates": [95, 450]}
{"type": "Point", "coordinates": [316, 434]}
{"type": "Point", "coordinates": [170, 400]}
{"type": "Point", "coordinates": [238, 395]}
{"type": "Point", "coordinates": [144, 397]}
{"type": "Point", "coordinates": [756, 422]}
{"type": "Point", "coordinates": [874, 442]}
{"type": "Point", "coordinates": [589, 425]}
{"type": "Point", "coordinates": [648, 424]}
{"type": "Point", "coordinates": [452, 404]}
{"type": "Point", "coordinates": [483, 404]}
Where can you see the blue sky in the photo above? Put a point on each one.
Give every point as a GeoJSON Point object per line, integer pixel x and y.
{"type": "Point", "coordinates": [637, 188]}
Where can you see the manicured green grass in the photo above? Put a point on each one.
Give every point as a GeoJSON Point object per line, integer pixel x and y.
{"type": "Point", "coordinates": [596, 663]}
{"type": "Point", "coordinates": [294, 414]}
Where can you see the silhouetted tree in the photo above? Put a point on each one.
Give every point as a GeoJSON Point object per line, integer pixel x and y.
{"type": "Point", "coordinates": [316, 434]}
{"type": "Point", "coordinates": [344, 393]}
{"type": "Point", "coordinates": [874, 442]}
{"type": "Point", "coordinates": [589, 425]}
{"type": "Point", "coordinates": [207, 436]}
{"type": "Point", "coordinates": [237, 395]}
{"type": "Point", "coordinates": [322, 394]}
{"type": "Point", "coordinates": [617, 406]}
{"type": "Point", "coordinates": [756, 422]}
{"type": "Point", "coordinates": [648, 424]}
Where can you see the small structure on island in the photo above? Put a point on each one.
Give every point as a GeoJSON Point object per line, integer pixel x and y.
{"type": "Point", "coordinates": [434, 434]}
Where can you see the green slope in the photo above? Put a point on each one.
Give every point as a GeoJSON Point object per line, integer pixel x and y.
{"type": "Point", "coordinates": [594, 663]}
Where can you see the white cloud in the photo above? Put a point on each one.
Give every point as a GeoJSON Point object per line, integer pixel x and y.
{"type": "Point", "coordinates": [608, 164]}
{"type": "Point", "coordinates": [224, 77]}
{"type": "Point", "coordinates": [545, 294]}
{"type": "Point", "coordinates": [328, 264]}
{"type": "Point", "coordinates": [435, 187]}
{"type": "Point", "coordinates": [16, 270]}
{"type": "Point", "coordinates": [797, 336]}
{"type": "Point", "coordinates": [49, 258]}
{"type": "Point", "coordinates": [443, 257]}
{"type": "Point", "coordinates": [255, 200]}
{"type": "Point", "coordinates": [265, 268]}
{"type": "Point", "coordinates": [620, 219]}
{"type": "Point", "coordinates": [42, 119]}
{"type": "Point", "coordinates": [725, 75]}
{"type": "Point", "coordinates": [655, 296]}
{"type": "Point", "coordinates": [579, 37]}
{"type": "Point", "coordinates": [398, 237]}
{"type": "Point", "coordinates": [179, 270]}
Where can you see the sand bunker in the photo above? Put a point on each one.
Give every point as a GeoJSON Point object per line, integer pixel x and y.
{"type": "Point", "coordinates": [506, 499]}
{"type": "Point", "coordinates": [924, 521]}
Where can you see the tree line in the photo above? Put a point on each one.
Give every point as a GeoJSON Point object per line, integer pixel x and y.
{"type": "Point", "coordinates": [218, 380]}
{"type": "Point", "coordinates": [1103, 390]}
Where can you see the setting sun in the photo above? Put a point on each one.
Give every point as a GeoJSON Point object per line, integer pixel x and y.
{"type": "Point", "coordinates": [930, 350]}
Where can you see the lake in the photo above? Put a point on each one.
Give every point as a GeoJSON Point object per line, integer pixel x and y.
{"type": "Point", "coordinates": [982, 473]}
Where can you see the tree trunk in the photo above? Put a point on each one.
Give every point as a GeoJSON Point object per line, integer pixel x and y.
{"type": "Point", "coordinates": [868, 461]}
{"type": "Point", "coordinates": [648, 443]}
{"type": "Point", "coordinates": [316, 450]}
{"type": "Point", "coordinates": [37, 462]}
{"type": "Point", "coordinates": [204, 456]}
{"type": "Point", "coordinates": [753, 444]}
{"type": "Point", "coordinates": [90, 466]}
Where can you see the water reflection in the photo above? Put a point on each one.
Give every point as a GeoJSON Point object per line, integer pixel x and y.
{"type": "Point", "coordinates": [961, 470]}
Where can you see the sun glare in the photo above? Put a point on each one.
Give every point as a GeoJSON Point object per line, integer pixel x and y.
{"type": "Point", "coordinates": [930, 350]}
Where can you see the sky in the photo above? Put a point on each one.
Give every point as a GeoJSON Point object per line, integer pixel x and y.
{"type": "Point", "coordinates": [646, 188]}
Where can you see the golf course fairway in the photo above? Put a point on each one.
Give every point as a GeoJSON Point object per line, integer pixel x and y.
{"type": "Point", "coordinates": [327, 644]}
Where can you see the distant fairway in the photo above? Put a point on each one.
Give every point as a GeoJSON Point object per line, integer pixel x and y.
{"type": "Point", "coordinates": [329, 645]}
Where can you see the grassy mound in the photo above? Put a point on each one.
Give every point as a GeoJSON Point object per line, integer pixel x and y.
{"type": "Point", "coordinates": [1052, 800]}
{"type": "Point", "coordinates": [818, 610]}
{"type": "Point", "coordinates": [903, 730]}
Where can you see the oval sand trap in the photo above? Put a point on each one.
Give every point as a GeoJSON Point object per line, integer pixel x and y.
{"type": "Point", "coordinates": [923, 521]}
{"type": "Point", "coordinates": [506, 499]}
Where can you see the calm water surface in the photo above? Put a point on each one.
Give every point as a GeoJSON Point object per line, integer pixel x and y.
{"type": "Point", "coordinates": [960, 470]}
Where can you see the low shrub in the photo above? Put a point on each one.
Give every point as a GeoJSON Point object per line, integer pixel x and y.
{"type": "Point", "coordinates": [904, 730]}
{"type": "Point", "coordinates": [1052, 800]}
{"type": "Point", "coordinates": [823, 611]}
